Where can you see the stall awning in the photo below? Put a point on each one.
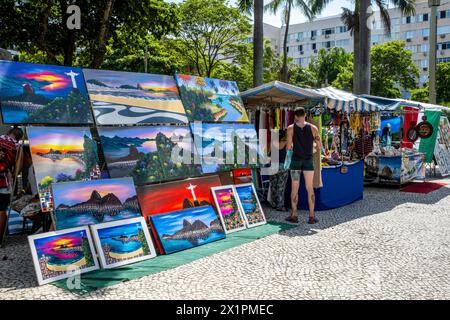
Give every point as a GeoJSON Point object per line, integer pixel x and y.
{"type": "Point", "coordinates": [280, 93]}
{"type": "Point", "coordinates": [392, 104]}
{"type": "Point", "coordinates": [344, 101]}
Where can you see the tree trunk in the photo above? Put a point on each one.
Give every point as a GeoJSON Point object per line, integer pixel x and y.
{"type": "Point", "coordinates": [284, 68]}
{"type": "Point", "coordinates": [356, 64]}
{"type": "Point", "coordinates": [258, 43]}
{"type": "Point", "coordinates": [99, 54]}
{"type": "Point", "coordinates": [364, 49]}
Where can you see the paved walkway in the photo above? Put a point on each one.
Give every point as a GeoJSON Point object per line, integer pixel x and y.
{"type": "Point", "coordinates": [391, 245]}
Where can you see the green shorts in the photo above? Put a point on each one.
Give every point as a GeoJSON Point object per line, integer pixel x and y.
{"type": "Point", "coordinates": [302, 165]}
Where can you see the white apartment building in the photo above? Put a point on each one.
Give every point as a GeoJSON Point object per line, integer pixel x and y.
{"type": "Point", "coordinates": [306, 39]}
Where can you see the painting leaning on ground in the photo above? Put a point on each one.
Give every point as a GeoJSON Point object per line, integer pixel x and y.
{"type": "Point", "coordinates": [89, 202]}
{"type": "Point", "coordinates": [43, 94]}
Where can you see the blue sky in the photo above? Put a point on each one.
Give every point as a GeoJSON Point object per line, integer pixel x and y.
{"type": "Point", "coordinates": [334, 8]}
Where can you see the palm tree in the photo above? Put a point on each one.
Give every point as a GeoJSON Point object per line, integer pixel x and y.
{"type": "Point", "coordinates": [361, 36]}
{"type": "Point", "coordinates": [258, 37]}
{"type": "Point", "coordinates": [310, 8]}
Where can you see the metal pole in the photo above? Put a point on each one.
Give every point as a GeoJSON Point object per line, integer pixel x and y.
{"type": "Point", "coordinates": [433, 4]}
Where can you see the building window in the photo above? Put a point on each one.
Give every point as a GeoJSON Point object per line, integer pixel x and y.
{"type": "Point", "coordinates": [327, 44]}
{"type": "Point", "coordinates": [423, 17]}
{"type": "Point", "coordinates": [313, 33]}
{"type": "Point", "coordinates": [443, 45]}
{"type": "Point", "coordinates": [342, 43]}
{"type": "Point", "coordinates": [424, 48]}
{"type": "Point", "coordinates": [341, 29]}
{"type": "Point", "coordinates": [426, 32]}
{"type": "Point", "coordinates": [443, 30]}
{"type": "Point", "coordinates": [314, 46]}
{"type": "Point", "coordinates": [300, 47]}
{"type": "Point", "coordinates": [409, 34]}
{"type": "Point", "coordinates": [327, 31]}
{"type": "Point", "coordinates": [441, 60]}
{"type": "Point", "coordinates": [408, 19]}
{"type": "Point", "coordinates": [424, 63]}
{"type": "Point", "coordinates": [300, 36]}
{"type": "Point", "coordinates": [444, 14]}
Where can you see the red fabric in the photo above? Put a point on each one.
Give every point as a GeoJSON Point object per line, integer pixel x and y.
{"type": "Point", "coordinates": [423, 187]}
{"type": "Point", "coordinates": [411, 115]}
{"type": "Point", "coordinates": [8, 151]}
{"type": "Point", "coordinates": [291, 117]}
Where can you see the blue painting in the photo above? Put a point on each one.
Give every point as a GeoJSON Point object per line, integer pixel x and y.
{"type": "Point", "coordinates": [134, 98]}
{"type": "Point", "coordinates": [44, 94]}
{"type": "Point", "coordinates": [224, 147]}
{"type": "Point", "coordinates": [211, 100]}
{"type": "Point", "coordinates": [249, 202]}
{"type": "Point", "coordinates": [89, 202]}
{"type": "Point", "coordinates": [184, 229]}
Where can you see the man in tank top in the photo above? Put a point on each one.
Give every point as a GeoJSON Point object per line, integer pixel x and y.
{"type": "Point", "coordinates": [303, 138]}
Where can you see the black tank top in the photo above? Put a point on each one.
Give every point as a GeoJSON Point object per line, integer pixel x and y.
{"type": "Point", "coordinates": [303, 143]}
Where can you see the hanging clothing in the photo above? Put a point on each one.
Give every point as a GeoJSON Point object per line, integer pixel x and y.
{"type": "Point", "coordinates": [410, 116]}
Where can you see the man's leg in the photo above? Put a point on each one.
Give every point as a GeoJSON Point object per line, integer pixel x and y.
{"type": "Point", "coordinates": [295, 177]}
{"type": "Point", "coordinates": [309, 180]}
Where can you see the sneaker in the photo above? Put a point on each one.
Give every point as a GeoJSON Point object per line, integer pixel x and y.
{"type": "Point", "coordinates": [313, 220]}
{"type": "Point", "coordinates": [292, 219]}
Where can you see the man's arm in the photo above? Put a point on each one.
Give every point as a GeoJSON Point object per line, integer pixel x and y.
{"type": "Point", "coordinates": [290, 131]}
{"type": "Point", "coordinates": [317, 139]}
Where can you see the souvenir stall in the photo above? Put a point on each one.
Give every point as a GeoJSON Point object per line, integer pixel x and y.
{"type": "Point", "coordinates": [405, 142]}
{"type": "Point", "coordinates": [278, 100]}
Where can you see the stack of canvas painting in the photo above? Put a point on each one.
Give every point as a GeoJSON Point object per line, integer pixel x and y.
{"type": "Point", "coordinates": [123, 242]}
{"type": "Point", "coordinates": [211, 100]}
{"type": "Point", "coordinates": [89, 202]}
{"type": "Point", "coordinates": [229, 210]}
{"type": "Point", "coordinates": [62, 254]}
{"type": "Point", "coordinates": [187, 228]}
{"type": "Point", "coordinates": [149, 154]}
{"type": "Point", "coordinates": [44, 94]}
{"type": "Point", "coordinates": [134, 98]}
{"type": "Point", "coordinates": [249, 204]}
{"type": "Point", "coordinates": [62, 154]}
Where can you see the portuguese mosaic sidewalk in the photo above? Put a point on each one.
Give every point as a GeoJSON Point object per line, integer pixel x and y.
{"type": "Point", "coordinates": [391, 245]}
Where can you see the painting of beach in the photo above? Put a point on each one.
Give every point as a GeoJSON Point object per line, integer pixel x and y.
{"type": "Point", "coordinates": [250, 206]}
{"type": "Point", "coordinates": [62, 154]}
{"type": "Point", "coordinates": [43, 94]}
{"type": "Point", "coordinates": [187, 228]}
{"type": "Point", "coordinates": [145, 153]}
{"type": "Point", "coordinates": [60, 254]}
{"type": "Point", "coordinates": [90, 202]}
{"type": "Point", "coordinates": [133, 98]}
{"type": "Point", "coordinates": [123, 242]}
{"type": "Point", "coordinates": [229, 211]}
{"type": "Point", "coordinates": [224, 147]}
{"type": "Point", "coordinates": [211, 100]}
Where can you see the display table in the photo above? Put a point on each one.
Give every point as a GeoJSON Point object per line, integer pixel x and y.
{"type": "Point", "coordinates": [394, 170]}
{"type": "Point", "coordinates": [342, 185]}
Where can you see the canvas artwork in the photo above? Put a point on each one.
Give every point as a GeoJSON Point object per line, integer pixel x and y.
{"type": "Point", "coordinates": [224, 147]}
{"type": "Point", "coordinates": [145, 153]}
{"type": "Point", "coordinates": [229, 211]}
{"type": "Point", "coordinates": [211, 100]}
{"type": "Point", "coordinates": [134, 98]}
{"type": "Point", "coordinates": [89, 202]}
{"type": "Point", "coordinates": [45, 94]}
{"type": "Point", "coordinates": [62, 254]}
{"type": "Point", "coordinates": [62, 154]}
{"type": "Point", "coordinates": [187, 228]}
{"type": "Point", "coordinates": [123, 242]}
{"type": "Point", "coordinates": [250, 205]}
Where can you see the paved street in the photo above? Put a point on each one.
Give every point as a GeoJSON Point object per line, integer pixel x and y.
{"type": "Point", "coordinates": [391, 245]}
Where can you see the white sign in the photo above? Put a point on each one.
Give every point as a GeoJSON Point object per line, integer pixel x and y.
{"type": "Point", "coordinates": [442, 148]}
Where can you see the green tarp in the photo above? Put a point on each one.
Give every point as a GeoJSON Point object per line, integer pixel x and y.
{"type": "Point", "coordinates": [427, 145]}
{"type": "Point", "coordinates": [108, 277]}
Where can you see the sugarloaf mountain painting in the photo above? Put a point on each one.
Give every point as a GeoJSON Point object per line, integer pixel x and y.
{"type": "Point", "coordinates": [83, 203]}
{"type": "Point", "coordinates": [211, 100]}
{"type": "Point", "coordinates": [145, 153]}
{"type": "Point", "coordinates": [62, 154]}
{"type": "Point", "coordinates": [180, 230]}
{"type": "Point", "coordinates": [133, 98]}
{"type": "Point", "coordinates": [57, 255]}
{"type": "Point", "coordinates": [123, 242]}
{"type": "Point", "coordinates": [43, 94]}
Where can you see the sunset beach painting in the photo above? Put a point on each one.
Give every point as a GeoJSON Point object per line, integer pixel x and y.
{"type": "Point", "coordinates": [134, 98]}
{"type": "Point", "coordinates": [83, 203]}
{"type": "Point", "coordinates": [145, 152]}
{"type": "Point", "coordinates": [250, 205]}
{"type": "Point", "coordinates": [228, 208]}
{"type": "Point", "coordinates": [43, 94]}
{"type": "Point", "coordinates": [211, 100]}
{"type": "Point", "coordinates": [62, 254]}
{"type": "Point", "coordinates": [62, 154]}
{"type": "Point", "coordinates": [123, 242]}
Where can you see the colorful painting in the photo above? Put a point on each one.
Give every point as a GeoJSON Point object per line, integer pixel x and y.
{"type": "Point", "coordinates": [224, 147]}
{"type": "Point", "coordinates": [62, 254]}
{"type": "Point", "coordinates": [134, 98]}
{"type": "Point", "coordinates": [228, 207]}
{"type": "Point", "coordinates": [62, 154]}
{"type": "Point", "coordinates": [89, 202]}
{"type": "Point", "coordinates": [241, 176]}
{"type": "Point", "coordinates": [123, 242]}
{"type": "Point", "coordinates": [36, 93]}
{"type": "Point", "coordinates": [145, 153]}
{"type": "Point", "coordinates": [187, 228]}
{"type": "Point", "coordinates": [211, 100]}
{"type": "Point", "coordinates": [249, 204]}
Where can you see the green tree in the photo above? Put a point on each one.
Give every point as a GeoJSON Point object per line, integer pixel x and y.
{"type": "Point", "coordinates": [303, 77]}
{"type": "Point", "coordinates": [344, 79]}
{"type": "Point", "coordinates": [327, 65]}
{"type": "Point", "coordinates": [211, 33]}
{"type": "Point", "coordinates": [442, 86]}
{"type": "Point", "coordinates": [420, 95]}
